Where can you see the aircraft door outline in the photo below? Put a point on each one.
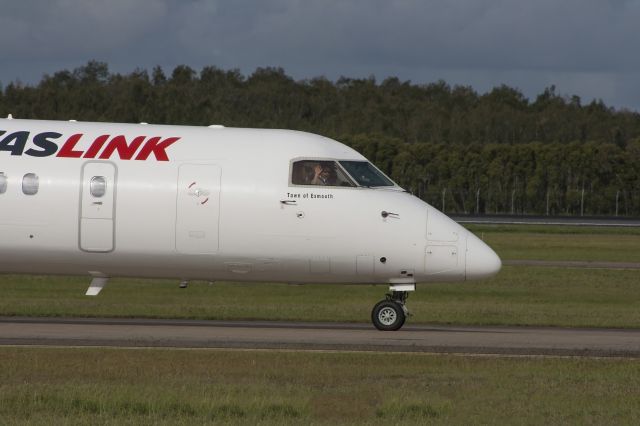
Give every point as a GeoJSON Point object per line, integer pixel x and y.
{"type": "Point", "coordinates": [98, 191]}
{"type": "Point", "coordinates": [198, 209]}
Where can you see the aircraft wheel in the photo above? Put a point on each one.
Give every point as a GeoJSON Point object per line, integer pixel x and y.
{"type": "Point", "coordinates": [388, 315]}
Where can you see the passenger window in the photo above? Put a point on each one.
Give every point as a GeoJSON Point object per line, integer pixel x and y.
{"type": "Point", "coordinates": [3, 183]}
{"type": "Point", "coordinates": [98, 186]}
{"type": "Point", "coordinates": [318, 172]}
{"type": "Point", "coordinates": [30, 184]}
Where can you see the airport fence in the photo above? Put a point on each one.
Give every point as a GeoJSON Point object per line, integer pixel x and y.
{"type": "Point", "coordinates": [569, 202]}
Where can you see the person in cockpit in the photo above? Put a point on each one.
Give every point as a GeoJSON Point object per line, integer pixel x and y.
{"type": "Point", "coordinates": [324, 174]}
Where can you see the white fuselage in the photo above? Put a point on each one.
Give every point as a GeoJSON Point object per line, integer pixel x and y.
{"type": "Point", "coordinates": [211, 204]}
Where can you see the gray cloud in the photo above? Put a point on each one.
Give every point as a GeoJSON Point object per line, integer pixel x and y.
{"type": "Point", "coordinates": [75, 28]}
{"type": "Point", "coordinates": [586, 47]}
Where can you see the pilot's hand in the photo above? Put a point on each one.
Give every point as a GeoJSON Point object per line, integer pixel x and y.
{"type": "Point", "coordinates": [317, 170]}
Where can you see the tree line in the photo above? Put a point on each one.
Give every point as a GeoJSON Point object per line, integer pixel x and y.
{"type": "Point", "coordinates": [497, 152]}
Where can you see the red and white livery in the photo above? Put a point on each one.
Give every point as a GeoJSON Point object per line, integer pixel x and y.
{"type": "Point", "coordinates": [215, 203]}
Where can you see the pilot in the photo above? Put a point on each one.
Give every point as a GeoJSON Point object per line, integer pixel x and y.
{"type": "Point", "coordinates": [323, 175]}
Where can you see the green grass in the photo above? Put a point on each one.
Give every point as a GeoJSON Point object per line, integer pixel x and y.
{"type": "Point", "coordinates": [151, 386]}
{"type": "Point", "coordinates": [516, 296]}
{"type": "Point", "coordinates": [156, 386]}
{"type": "Point", "coordinates": [554, 229]}
{"type": "Point", "coordinates": [540, 242]}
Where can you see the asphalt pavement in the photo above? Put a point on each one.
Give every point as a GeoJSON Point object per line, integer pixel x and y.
{"type": "Point", "coordinates": [319, 336]}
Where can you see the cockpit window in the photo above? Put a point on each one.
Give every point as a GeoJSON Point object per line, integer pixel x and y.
{"type": "Point", "coordinates": [319, 172]}
{"type": "Point", "coordinates": [366, 174]}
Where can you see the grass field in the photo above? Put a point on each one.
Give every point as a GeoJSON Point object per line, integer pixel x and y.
{"type": "Point", "coordinates": [167, 386]}
{"type": "Point", "coordinates": [518, 295]}
{"type": "Point", "coordinates": [145, 386]}
{"type": "Point", "coordinates": [541, 242]}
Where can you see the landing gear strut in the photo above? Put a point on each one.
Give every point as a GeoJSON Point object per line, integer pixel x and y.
{"type": "Point", "coordinates": [391, 313]}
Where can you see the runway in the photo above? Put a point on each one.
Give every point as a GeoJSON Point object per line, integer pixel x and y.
{"type": "Point", "coordinates": [608, 221]}
{"type": "Point", "coordinates": [579, 264]}
{"type": "Point", "coordinates": [318, 336]}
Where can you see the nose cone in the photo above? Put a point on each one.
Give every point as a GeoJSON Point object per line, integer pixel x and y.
{"type": "Point", "coordinates": [481, 260]}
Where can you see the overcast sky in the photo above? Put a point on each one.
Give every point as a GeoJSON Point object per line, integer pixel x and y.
{"type": "Point", "coordinates": [590, 48]}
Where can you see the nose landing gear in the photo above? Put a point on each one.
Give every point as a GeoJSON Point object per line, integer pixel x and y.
{"type": "Point", "coordinates": [391, 313]}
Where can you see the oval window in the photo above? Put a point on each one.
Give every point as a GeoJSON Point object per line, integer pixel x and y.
{"type": "Point", "coordinates": [30, 184]}
{"type": "Point", "coordinates": [98, 186]}
{"type": "Point", "coordinates": [3, 183]}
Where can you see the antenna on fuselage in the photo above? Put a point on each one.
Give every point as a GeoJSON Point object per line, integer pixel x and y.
{"type": "Point", "coordinates": [10, 117]}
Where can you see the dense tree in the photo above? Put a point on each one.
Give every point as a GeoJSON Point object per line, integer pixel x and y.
{"type": "Point", "coordinates": [486, 153]}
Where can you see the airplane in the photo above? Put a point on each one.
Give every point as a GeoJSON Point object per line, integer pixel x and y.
{"type": "Point", "coordinates": [215, 203]}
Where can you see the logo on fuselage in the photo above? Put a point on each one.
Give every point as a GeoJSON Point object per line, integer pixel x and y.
{"type": "Point", "coordinates": [103, 147]}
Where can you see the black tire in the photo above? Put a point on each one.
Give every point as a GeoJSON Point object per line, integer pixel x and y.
{"type": "Point", "coordinates": [388, 316]}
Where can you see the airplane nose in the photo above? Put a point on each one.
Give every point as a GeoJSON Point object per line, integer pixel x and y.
{"type": "Point", "coordinates": [481, 260]}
